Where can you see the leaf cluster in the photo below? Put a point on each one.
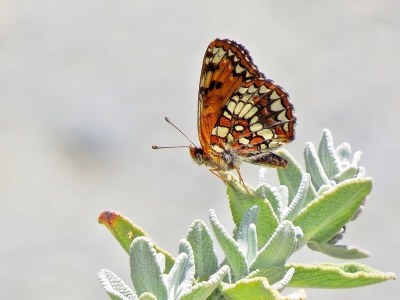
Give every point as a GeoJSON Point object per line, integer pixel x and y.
{"type": "Point", "coordinates": [310, 207]}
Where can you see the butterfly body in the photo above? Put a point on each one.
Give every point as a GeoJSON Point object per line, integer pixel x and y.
{"type": "Point", "coordinates": [223, 162]}
{"type": "Point", "coordinates": [242, 116]}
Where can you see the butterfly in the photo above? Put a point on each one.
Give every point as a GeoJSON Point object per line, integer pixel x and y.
{"type": "Point", "coordinates": [242, 116]}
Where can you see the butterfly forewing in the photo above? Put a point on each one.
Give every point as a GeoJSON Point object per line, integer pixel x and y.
{"type": "Point", "coordinates": [226, 66]}
{"type": "Point", "coordinates": [242, 116]}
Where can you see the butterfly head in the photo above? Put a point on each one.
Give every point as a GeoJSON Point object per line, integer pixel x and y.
{"type": "Point", "coordinates": [197, 154]}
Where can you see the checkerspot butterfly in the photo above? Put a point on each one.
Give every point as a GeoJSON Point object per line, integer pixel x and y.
{"type": "Point", "coordinates": [242, 116]}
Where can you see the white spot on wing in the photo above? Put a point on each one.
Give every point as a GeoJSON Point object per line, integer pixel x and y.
{"type": "Point", "coordinates": [242, 90]}
{"type": "Point", "coordinates": [218, 56]}
{"type": "Point", "coordinates": [254, 120]}
{"type": "Point", "coordinates": [235, 98]}
{"type": "Point", "coordinates": [245, 110]}
{"type": "Point", "coordinates": [256, 127]}
{"type": "Point", "coordinates": [286, 126]}
{"type": "Point", "coordinates": [266, 134]}
{"type": "Point", "coordinates": [231, 106]}
{"type": "Point", "coordinates": [202, 81]}
{"type": "Point", "coordinates": [244, 141]}
{"type": "Point", "coordinates": [245, 97]}
{"type": "Point", "coordinates": [239, 127]}
{"type": "Point", "coordinates": [252, 89]}
{"type": "Point", "coordinates": [274, 96]}
{"type": "Point", "coordinates": [277, 105]}
{"type": "Point", "coordinates": [238, 108]}
{"type": "Point", "coordinates": [227, 115]}
{"type": "Point", "coordinates": [282, 116]}
{"type": "Point", "coordinates": [217, 148]}
{"type": "Point", "coordinates": [274, 145]}
{"type": "Point", "coordinates": [263, 89]}
{"type": "Point", "coordinates": [239, 69]}
{"type": "Point", "coordinates": [251, 113]}
{"type": "Point", "coordinates": [222, 131]}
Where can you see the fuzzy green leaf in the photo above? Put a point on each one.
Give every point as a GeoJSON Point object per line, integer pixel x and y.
{"type": "Point", "coordinates": [184, 274]}
{"type": "Point", "coordinates": [356, 158]}
{"type": "Point", "coordinates": [115, 286]}
{"type": "Point", "coordinates": [205, 256]}
{"type": "Point", "coordinates": [314, 167]}
{"type": "Point", "coordinates": [252, 245]}
{"type": "Point", "coordinates": [235, 257]}
{"type": "Point", "coordinates": [273, 274]}
{"type": "Point", "coordinates": [361, 172]}
{"type": "Point", "coordinates": [125, 231]}
{"type": "Point", "coordinates": [147, 296]}
{"type": "Point", "coordinates": [262, 177]}
{"type": "Point", "coordinates": [282, 284]}
{"type": "Point", "coordinates": [298, 202]}
{"type": "Point", "coordinates": [284, 195]}
{"type": "Point", "coordinates": [329, 275]}
{"type": "Point", "coordinates": [347, 173]}
{"type": "Point", "coordinates": [240, 202]}
{"type": "Point", "coordinates": [327, 154]}
{"type": "Point", "coordinates": [177, 277]}
{"type": "Point", "coordinates": [291, 177]}
{"type": "Point", "coordinates": [254, 288]}
{"type": "Point", "coordinates": [339, 251]}
{"type": "Point", "coordinates": [278, 249]}
{"type": "Point", "coordinates": [202, 290]}
{"type": "Point", "coordinates": [146, 273]}
{"type": "Point", "coordinates": [326, 215]}
{"type": "Point", "coordinates": [258, 288]}
{"type": "Point", "coordinates": [242, 235]}
{"type": "Point", "coordinates": [343, 152]}
{"type": "Point", "coordinates": [324, 189]}
{"type": "Point", "coordinates": [273, 196]}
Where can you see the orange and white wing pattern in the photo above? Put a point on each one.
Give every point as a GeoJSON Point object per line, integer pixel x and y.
{"type": "Point", "coordinates": [226, 65]}
{"type": "Point", "coordinates": [257, 119]}
{"type": "Point", "coordinates": [242, 116]}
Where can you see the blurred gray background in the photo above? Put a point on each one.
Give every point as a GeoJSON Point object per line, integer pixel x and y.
{"type": "Point", "coordinates": [85, 87]}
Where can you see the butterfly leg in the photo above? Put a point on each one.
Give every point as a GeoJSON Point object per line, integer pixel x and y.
{"type": "Point", "coordinates": [217, 173]}
{"type": "Point", "coordinates": [241, 179]}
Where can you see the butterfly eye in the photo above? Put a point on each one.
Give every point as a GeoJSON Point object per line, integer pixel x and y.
{"type": "Point", "coordinates": [199, 157]}
{"type": "Point", "coordinates": [197, 154]}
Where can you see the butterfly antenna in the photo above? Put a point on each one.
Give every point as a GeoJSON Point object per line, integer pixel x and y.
{"type": "Point", "coordinates": [168, 121]}
{"type": "Point", "coordinates": [157, 147]}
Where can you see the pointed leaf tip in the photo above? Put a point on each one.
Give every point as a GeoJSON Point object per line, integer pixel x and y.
{"type": "Point", "coordinates": [115, 286]}
{"type": "Point", "coordinates": [205, 255]}
{"type": "Point", "coordinates": [326, 215]}
{"type": "Point", "coordinates": [330, 275]}
{"type": "Point", "coordinates": [230, 247]}
{"type": "Point", "coordinates": [327, 154]}
{"type": "Point", "coordinates": [125, 231]}
{"type": "Point", "coordinates": [146, 271]}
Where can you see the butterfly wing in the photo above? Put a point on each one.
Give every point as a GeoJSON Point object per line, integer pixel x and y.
{"type": "Point", "coordinates": [257, 119]}
{"type": "Point", "coordinates": [226, 65]}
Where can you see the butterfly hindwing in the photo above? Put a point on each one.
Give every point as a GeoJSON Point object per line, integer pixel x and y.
{"type": "Point", "coordinates": [257, 119]}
